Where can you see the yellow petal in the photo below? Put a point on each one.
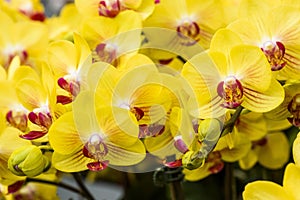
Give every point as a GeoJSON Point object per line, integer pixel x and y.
{"type": "Point", "coordinates": [264, 101]}
{"type": "Point", "coordinates": [130, 155]}
{"type": "Point", "coordinates": [31, 94]}
{"type": "Point", "coordinates": [296, 150]}
{"type": "Point", "coordinates": [249, 64]}
{"type": "Point", "coordinates": [291, 180]}
{"type": "Point", "coordinates": [248, 161]}
{"type": "Point", "coordinates": [242, 146]}
{"type": "Point", "coordinates": [63, 135]}
{"type": "Point", "coordinates": [62, 57]}
{"type": "Point", "coordinates": [224, 40]}
{"type": "Point", "coordinates": [74, 162]}
{"type": "Point", "coordinates": [253, 125]}
{"type": "Point", "coordinates": [82, 49]}
{"type": "Point", "coordinates": [261, 190]}
{"type": "Point", "coordinates": [275, 153]}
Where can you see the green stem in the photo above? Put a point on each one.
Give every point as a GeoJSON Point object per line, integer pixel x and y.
{"type": "Point", "coordinates": [176, 190]}
{"type": "Point", "coordinates": [83, 188]}
{"type": "Point", "coordinates": [46, 148]}
{"type": "Point", "coordinates": [59, 184]}
{"type": "Point", "coordinates": [228, 127]}
{"type": "Point", "coordinates": [230, 184]}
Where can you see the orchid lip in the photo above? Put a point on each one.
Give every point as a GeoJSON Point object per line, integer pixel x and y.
{"type": "Point", "coordinates": [96, 149]}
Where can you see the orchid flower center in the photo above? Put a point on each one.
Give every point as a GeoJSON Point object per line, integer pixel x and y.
{"type": "Point", "coordinates": [105, 53]}
{"type": "Point", "coordinates": [231, 90]}
{"type": "Point", "coordinates": [294, 109]}
{"type": "Point", "coordinates": [17, 119]}
{"type": "Point", "coordinates": [190, 31]}
{"type": "Point", "coordinates": [109, 8]}
{"type": "Point", "coordinates": [274, 51]}
{"type": "Point", "coordinates": [96, 149]}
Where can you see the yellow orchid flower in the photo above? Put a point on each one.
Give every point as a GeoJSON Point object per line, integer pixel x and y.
{"type": "Point", "coordinates": [26, 45]}
{"type": "Point", "coordinates": [112, 8]}
{"type": "Point", "coordinates": [193, 23]}
{"type": "Point", "coordinates": [66, 60]}
{"type": "Point", "coordinates": [289, 108]}
{"type": "Point", "coordinates": [272, 152]}
{"type": "Point", "coordinates": [38, 96]}
{"type": "Point", "coordinates": [111, 38]}
{"type": "Point", "coordinates": [268, 190]}
{"type": "Point", "coordinates": [225, 76]}
{"type": "Point", "coordinates": [94, 138]}
{"type": "Point", "coordinates": [275, 32]}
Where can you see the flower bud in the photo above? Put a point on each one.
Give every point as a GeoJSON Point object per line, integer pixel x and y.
{"type": "Point", "coordinates": [191, 161]}
{"type": "Point", "coordinates": [209, 130]}
{"type": "Point", "coordinates": [28, 161]}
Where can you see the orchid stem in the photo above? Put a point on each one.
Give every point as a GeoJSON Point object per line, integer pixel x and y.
{"type": "Point", "coordinates": [228, 127]}
{"type": "Point", "coordinates": [83, 188]}
{"type": "Point", "coordinates": [59, 184]}
{"type": "Point", "coordinates": [230, 184]}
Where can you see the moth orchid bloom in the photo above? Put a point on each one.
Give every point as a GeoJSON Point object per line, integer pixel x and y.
{"type": "Point", "coordinates": [275, 33]}
{"type": "Point", "coordinates": [112, 8]}
{"type": "Point", "coordinates": [260, 190]}
{"type": "Point", "coordinates": [38, 95]}
{"type": "Point", "coordinates": [93, 138]}
{"type": "Point", "coordinates": [109, 38]}
{"type": "Point", "coordinates": [66, 60]}
{"type": "Point", "coordinates": [142, 90]}
{"type": "Point", "coordinates": [26, 45]}
{"type": "Point", "coordinates": [290, 107]}
{"type": "Point", "coordinates": [193, 23]}
{"type": "Point", "coordinates": [229, 75]}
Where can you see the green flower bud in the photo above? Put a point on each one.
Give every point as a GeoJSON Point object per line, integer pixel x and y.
{"type": "Point", "coordinates": [28, 161]}
{"type": "Point", "coordinates": [209, 130]}
{"type": "Point", "coordinates": [191, 160]}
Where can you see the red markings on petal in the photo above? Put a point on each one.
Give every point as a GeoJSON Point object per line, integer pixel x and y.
{"type": "Point", "coordinates": [15, 187]}
{"type": "Point", "coordinates": [98, 166]}
{"type": "Point", "coordinates": [63, 99]}
{"type": "Point", "coordinates": [139, 113]}
{"type": "Point", "coordinates": [32, 135]}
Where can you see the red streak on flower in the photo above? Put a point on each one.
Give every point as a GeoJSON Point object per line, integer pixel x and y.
{"type": "Point", "coordinates": [15, 187]}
